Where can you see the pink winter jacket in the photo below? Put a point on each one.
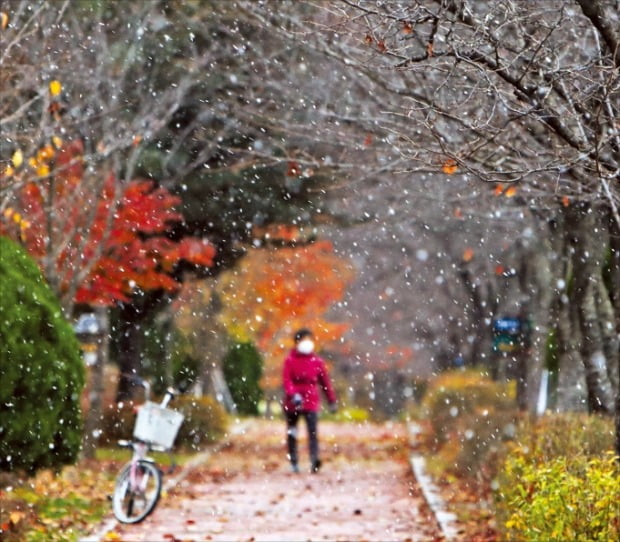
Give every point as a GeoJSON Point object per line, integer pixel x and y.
{"type": "Point", "coordinates": [304, 374]}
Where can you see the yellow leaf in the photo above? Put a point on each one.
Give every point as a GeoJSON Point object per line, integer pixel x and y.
{"type": "Point", "coordinates": [55, 87]}
{"type": "Point", "coordinates": [112, 536]}
{"type": "Point", "coordinates": [57, 142]}
{"type": "Point", "coordinates": [4, 20]}
{"type": "Point", "coordinates": [18, 158]}
{"type": "Point", "coordinates": [8, 171]}
{"type": "Point", "coordinates": [8, 212]}
{"type": "Point", "coordinates": [43, 170]}
{"type": "Point", "coordinates": [45, 153]}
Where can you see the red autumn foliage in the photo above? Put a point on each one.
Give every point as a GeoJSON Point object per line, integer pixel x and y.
{"type": "Point", "coordinates": [111, 239]}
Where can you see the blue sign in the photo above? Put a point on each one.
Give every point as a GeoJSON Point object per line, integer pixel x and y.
{"type": "Point", "coordinates": [511, 326]}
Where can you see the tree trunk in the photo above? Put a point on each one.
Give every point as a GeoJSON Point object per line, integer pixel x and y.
{"type": "Point", "coordinates": [130, 343]}
{"type": "Point", "coordinates": [587, 263]}
{"type": "Point", "coordinates": [609, 333]}
{"type": "Point", "coordinates": [571, 381]}
{"type": "Point", "coordinates": [572, 389]}
{"type": "Point", "coordinates": [535, 278]}
{"type": "Point", "coordinates": [614, 280]}
{"type": "Point", "coordinates": [540, 278]}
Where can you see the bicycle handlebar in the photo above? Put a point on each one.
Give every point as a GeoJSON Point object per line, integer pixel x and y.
{"type": "Point", "coordinates": [170, 393]}
{"type": "Point", "coordinates": [151, 446]}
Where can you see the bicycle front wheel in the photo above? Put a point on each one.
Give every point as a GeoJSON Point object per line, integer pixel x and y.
{"type": "Point", "coordinates": [136, 495]}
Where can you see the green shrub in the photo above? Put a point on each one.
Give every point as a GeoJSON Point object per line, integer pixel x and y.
{"type": "Point", "coordinates": [41, 369]}
{"type": "Point", "coordinates": [243, 368]}
{"type": "Point", "coordinates": [205, 422]}
{"type": "Point", "coordinates": [470, 415]}
{"type": "Point", "coordinates": [567, 498]}
{"type": "Point", "coordinates": [117, 423]}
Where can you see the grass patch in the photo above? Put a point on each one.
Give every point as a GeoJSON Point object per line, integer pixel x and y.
{"type": "Point", "coordinates": [56, 507]}
{"type": "Point", "coordinates": [162, 459]}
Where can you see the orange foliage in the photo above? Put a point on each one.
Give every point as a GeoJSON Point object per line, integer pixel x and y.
{"type": "Point", "coordinates": [510, 192]}
{"type": "Point", "coordinates": [468, 254]}
{"type": "Point", "coordinates": [272, 292]}
{"type": "Point", "coordinates": [449, 167]}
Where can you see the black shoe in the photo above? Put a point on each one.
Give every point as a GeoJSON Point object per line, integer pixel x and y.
{"type": "Point", "coordinates": [294, 468]}
{"type": "Point", "coordinates": [316, 465]}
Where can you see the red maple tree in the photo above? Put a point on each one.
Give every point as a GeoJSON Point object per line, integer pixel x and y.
{"type": "Point", "coordinates": [98, 241]}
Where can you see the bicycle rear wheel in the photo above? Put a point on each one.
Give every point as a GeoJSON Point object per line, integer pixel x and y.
{"type": "Point", "coordinates": [133, 504]}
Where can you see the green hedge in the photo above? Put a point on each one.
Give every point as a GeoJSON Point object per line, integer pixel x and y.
{"type": "Point", "coordinates": [41, 369]}
{"type": "Point", "coordinates": [243, 369]}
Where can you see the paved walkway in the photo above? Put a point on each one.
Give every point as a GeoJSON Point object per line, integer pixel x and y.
{"type": "Point", "coordinates": [364, 492]}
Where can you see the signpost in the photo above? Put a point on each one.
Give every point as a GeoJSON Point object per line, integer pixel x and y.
{"type": "Point", "coordinates": [509, 334]}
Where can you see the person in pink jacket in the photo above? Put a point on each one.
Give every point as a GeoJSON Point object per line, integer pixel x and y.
{"type": "Point", "coordinates": [303, 374]}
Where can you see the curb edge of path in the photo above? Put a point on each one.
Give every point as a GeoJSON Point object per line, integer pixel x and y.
{"type": "Point", "coordinates": [108, 525]}
{"type": "Point", "coordinates": [446, 521]}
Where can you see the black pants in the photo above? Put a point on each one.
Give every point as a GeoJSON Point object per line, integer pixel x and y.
{"type": "Point", "coordinates": [313, 437]}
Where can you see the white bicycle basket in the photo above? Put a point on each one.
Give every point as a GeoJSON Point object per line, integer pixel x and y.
{"type": "Point", "coordinates": [157, 425]}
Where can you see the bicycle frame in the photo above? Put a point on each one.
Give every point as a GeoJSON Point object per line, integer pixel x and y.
{"type": "Point", "coordinates": [140, 450]}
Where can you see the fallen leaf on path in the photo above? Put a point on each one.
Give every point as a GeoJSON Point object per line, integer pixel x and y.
{"type": "Point", "coordinates": [16, 516]}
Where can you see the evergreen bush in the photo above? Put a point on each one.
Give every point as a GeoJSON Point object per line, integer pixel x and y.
{"type": "Point", "coordinates": [205, 421]}
{"type": "Point", "coordinates": [41, 369]}
{"type": "Point", "coordinates": [243, 368]}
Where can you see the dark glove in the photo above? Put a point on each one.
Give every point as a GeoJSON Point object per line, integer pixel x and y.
{"type": "Point", "coordinates": [297, 400]}
{"type": "Point", "coordinates": [333, 408]}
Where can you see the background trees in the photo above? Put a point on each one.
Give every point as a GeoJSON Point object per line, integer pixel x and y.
{"type": "Point", "coordinates": [470, 148]}
{"type": "Point", "coordinates": [139, 93]}
{"type": "Point", "coordinates": [518, 104]}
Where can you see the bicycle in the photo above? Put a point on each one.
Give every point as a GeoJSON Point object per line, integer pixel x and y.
{"type": "Point", "coordinates": [138, 486]}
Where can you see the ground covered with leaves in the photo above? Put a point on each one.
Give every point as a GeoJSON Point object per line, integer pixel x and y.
{"type": "Point", "coordinates": [55, 506]}
{"type": "Point", "coordinates": [246, 491]}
